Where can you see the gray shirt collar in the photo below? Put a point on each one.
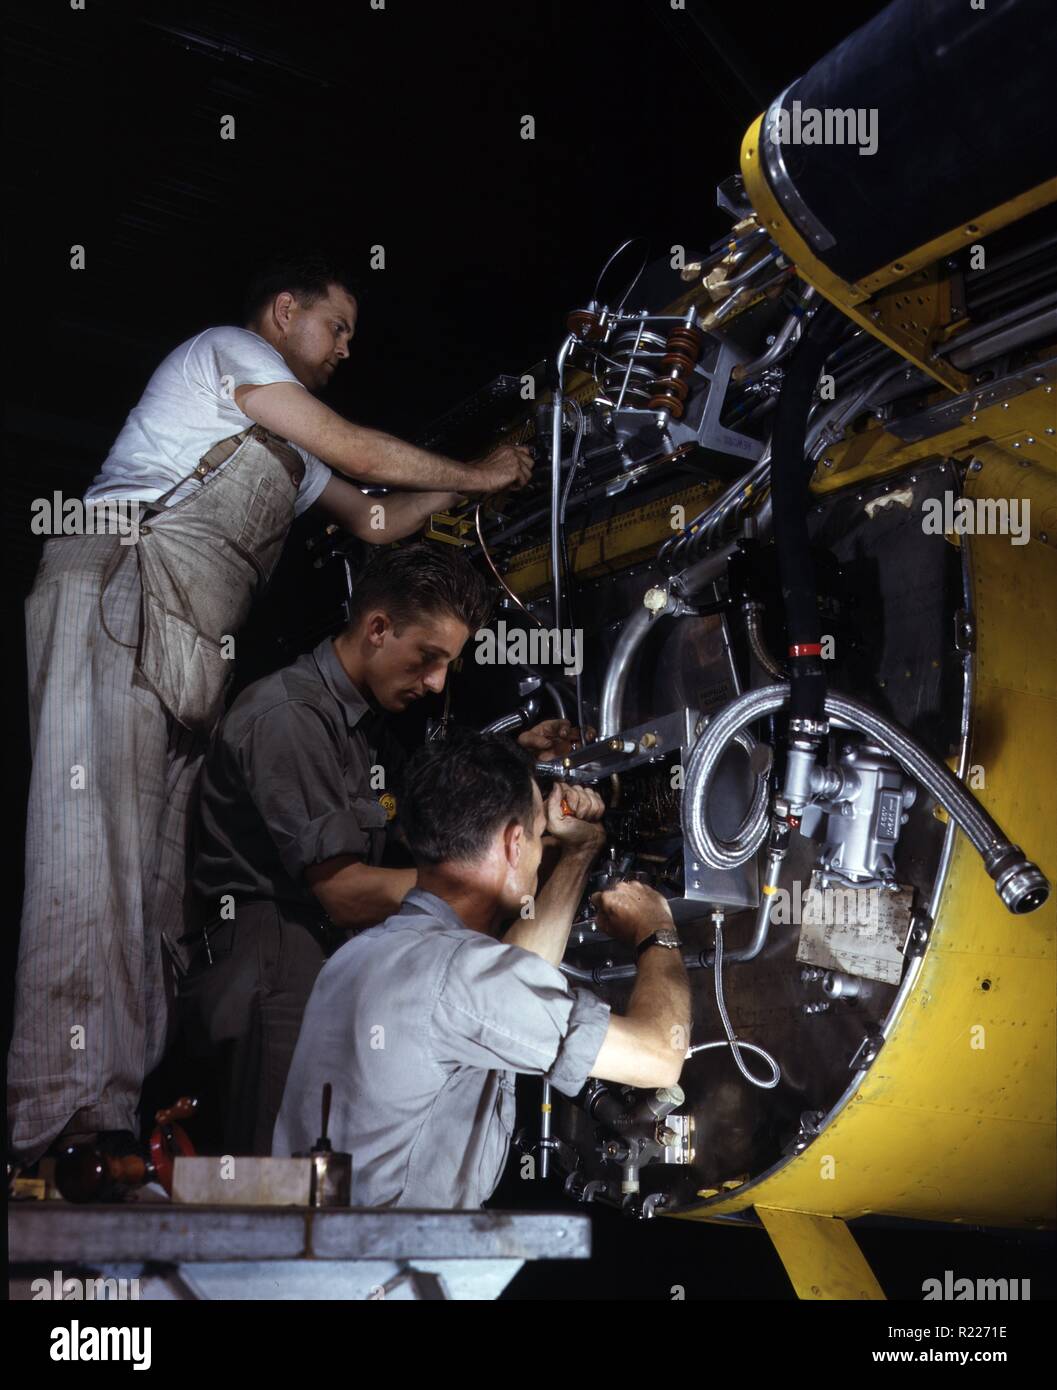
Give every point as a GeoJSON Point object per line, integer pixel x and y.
{"type": "Point", "coordinates": [337, 681]}
{"type": "Point", "coordinates": [434, 907]}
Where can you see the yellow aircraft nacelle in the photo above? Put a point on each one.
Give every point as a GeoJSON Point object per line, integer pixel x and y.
{"type": "Point", "coordinates": [955, 1120]}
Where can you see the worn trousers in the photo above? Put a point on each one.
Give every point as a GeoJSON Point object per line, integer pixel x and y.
{"type": "Point", "coordinates": [106, 854]}
{"type": "Point", "coordinates": [242, 1003]}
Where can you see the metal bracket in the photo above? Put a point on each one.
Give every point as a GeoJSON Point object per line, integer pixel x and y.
{"type": "Point", "coordinates": [964, 632]}
{"type": "Point", "coordinates": [866, 1053]}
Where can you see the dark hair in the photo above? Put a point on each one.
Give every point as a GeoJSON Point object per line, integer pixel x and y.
{"type": "Point", "coordinates": [306, 275]}
{"type": "Point", "coordinates": [422, 578]}
{"type": "Point", "coordinates": [459, 792]}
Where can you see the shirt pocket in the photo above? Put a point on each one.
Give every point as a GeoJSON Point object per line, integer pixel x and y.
{"type": "Point", "coordinates": [370, 814]}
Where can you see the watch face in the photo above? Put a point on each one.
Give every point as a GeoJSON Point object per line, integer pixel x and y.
{"type": "Point", "coordinates": [666, 937]}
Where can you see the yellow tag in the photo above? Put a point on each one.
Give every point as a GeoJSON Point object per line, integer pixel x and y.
{"type": "Point", "coordinates": [388, 800]}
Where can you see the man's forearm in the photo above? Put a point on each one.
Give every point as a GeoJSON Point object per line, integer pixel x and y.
{"type": "Point", "coordinates": [660, 999]}
{"type": "Point", "coordinates": [404, 513]}
{"type": "Point", "coordinates": [365, 455]}
{"type": "Point", "coordinates": [547, 931]}
{"type": "Point", "coordinates": [354, 894]}
{"type": "Point", "coordinates": [371, 456]}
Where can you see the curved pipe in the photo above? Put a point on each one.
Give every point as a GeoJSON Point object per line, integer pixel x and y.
{"type": "Point", "coordinates": [1019, 883]}
{"type": "Point", "coordinates": [519, 718]}
{"type": "Point", "coordinates": [616, 677]}
{"type": "Point", "coordinates": [781, 344]}
{"type": "Point", "coordinates": [635, 629]}
{"type": "Point", "coordinates": [744, 276]}
{"type": "Point", "coordinates": [556, 699]}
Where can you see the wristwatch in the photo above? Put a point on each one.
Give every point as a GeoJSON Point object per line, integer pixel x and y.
{"type": "Point", "coordinates": [667, 937]}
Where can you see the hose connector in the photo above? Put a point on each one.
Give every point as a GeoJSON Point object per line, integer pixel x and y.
{"type": "Point", "coordinates": [1020, 884]}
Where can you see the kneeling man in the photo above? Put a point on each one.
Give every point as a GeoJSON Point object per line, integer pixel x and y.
{"type": "Point", "coordinates": [420, 1023]}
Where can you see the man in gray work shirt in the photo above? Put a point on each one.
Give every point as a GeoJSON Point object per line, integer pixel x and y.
{"type": "Point", "coordinates": [298, 790]}
{"type": "Point", "coordinates": [420, 1023]}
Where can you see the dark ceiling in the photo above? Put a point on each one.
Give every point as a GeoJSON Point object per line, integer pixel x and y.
{"type": "Point", "coordinates": [354, 126]}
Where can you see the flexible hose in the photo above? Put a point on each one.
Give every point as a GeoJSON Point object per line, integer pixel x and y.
{"type": "Point", "coordinates": [710, 848]}
{"type": "Point", "coordinates": [731, 1040]}
{"type": "Point", "coordinates": [1021, 884]}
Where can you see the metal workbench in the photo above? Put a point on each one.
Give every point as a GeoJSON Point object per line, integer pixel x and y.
{"type": "Point", "coordinates": [211, 1252]}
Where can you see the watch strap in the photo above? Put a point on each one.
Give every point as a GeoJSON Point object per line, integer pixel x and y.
{"type": "Point", "coordinates": [666, 938]}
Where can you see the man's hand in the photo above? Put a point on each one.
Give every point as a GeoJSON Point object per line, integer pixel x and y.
{"type": "Point", "coordinates": [579, 826]}
{"type": "Point", "coordinates": [631, 912]}
{"type": "Point", "coordinates": [554, 738]}
{"type": "Point", "coordinates": [509, 466]}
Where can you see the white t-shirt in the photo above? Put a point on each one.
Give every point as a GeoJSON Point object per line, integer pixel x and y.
{"type": "Point", "coordinates": [187, 407]}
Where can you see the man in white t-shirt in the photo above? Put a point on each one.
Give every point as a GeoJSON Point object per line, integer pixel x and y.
{"type": "Point", "coordinates": [125, 648]}
{"type": "Point", "coordinates": [225, 379]}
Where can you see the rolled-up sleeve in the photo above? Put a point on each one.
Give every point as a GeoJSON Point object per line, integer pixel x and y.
{"type": "Point", "coordinates": [293, 772]}
{"type": "Point", "coordinates": [503, 1008]}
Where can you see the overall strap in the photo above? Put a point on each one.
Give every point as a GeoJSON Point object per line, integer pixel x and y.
{"type": "Point", "coordinates": [223, 450]}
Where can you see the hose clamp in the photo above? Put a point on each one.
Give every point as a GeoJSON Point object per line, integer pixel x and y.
{"type": "Point", "coordinates": [814, 728]}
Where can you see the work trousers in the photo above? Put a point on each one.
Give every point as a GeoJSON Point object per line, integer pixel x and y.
{"type": "Point", "coordinates": [106, 849]}
{"type": "Point", "coordinates": [245, 1006]}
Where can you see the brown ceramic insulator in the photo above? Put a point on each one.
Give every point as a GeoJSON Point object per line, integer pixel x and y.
{"type": "Point", "coordinates": [585, 325]}
{"type": "Point", "coordinates": [669, 402]}
{"type": "Point", "coordinates": [687, 340]}
{"type": "Point", "coordinates": [674, 385]}
{"type": "Point", "coordinates": [677, 362]}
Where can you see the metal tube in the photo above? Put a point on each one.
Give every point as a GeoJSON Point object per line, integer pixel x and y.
{"type": "Point", "coordinates": [1013, 286]}
{"type": "Point", "coordinates": [516, 719]}
{"type": "Point", "coordinates": [556, 474]}
{"type": "Point", "coordinates": [982, 330]}
{"type": "Point", "coordinates": [545, 1131]}
{"type": "Point", "coordinates": [634, 630]}
{"type": "Point", "coordinates": [1010, 258]}
{"type": "Point", "coordinates": [778, 348]}
{"type": "Point", "coordinates": [1026, 331]}
{"type": "Point", "coordinates": [556, 699]}
{"type": "Point", "coordinates": [616, 677]}
{"type": "Point", "coordinates": [763, 913]}
{"type": "Point", "coordinates": [744, 276]}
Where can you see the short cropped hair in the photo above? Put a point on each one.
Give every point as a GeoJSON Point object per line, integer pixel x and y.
{"type": "Point", "coordinates": [422, 579]}
{"type": "Point", "coordinates": [460, 791]}
{"type": "Point", "coordinates": [307, 275]}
